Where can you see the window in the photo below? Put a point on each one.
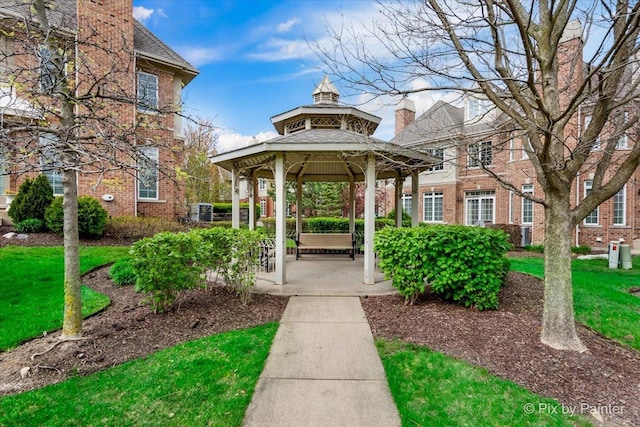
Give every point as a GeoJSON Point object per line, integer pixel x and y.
{"type": "Point", "coordinates": [433, 207]}
{"type": "Point", "coordinates": [263, 207]}
{"type": "Point", "coordinates": [512, 147]}
{"type": "Point", "coordinates": [511, 207]}
{"type": "Point", "coordinates": [623, 139]}
{"type": "Point", "coordinates": [147, 91]}
{"type": "Point", "coordinates": [587, 122]}
{"type": "Point", "coordinates": [593, 217]}
{"type": "Point", "coordinates": [50, 163]}
{"type": "Point", "coordinates": [478, 107]}
{"type": "Point", "coordinates": [480, 154]}
{"type": "Point", "coordinates": [262, 184]}
{"type": "Point", "coordinates": [480, 207]}
{"type": "Point", "coordinates": [527, 205]}
{"type": "Point", "coordinates": [438, 153]}
{"type": "Point", "coordinates": [148, 173]}
{"type": "Point", "coordinates": [526, 145]}
{"type": "Point", "coordinates": [406, 204]}
{"type": "Point", "coordinates": [6, 58]}
{"type": "Point", "coordinates": [619, 207]}
{"type": "Point", "coordinates": [48, 72]}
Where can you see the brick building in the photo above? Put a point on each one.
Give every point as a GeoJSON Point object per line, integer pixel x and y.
{"type": "Point", "coordinates": [459, 191]}
{"type": "Point", "coordinates": [113, 54]}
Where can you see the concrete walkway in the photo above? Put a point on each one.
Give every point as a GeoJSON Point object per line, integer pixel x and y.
{"type": "Point", "coordinates": [323, 370]}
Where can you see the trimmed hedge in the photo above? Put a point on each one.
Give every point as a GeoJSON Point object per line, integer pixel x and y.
{"type": "Point", "coordinates": [324, 225]}
{"type": "Point", "coordinates": [131, 227]}
{"type": "Point", "coordinates": [463, 264]}
{"type": "Point", "coordinates": [92, 217]}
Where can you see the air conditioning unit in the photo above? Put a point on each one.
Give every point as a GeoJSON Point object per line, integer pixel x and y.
{"type": "Point", "coordinates": [203, 212]}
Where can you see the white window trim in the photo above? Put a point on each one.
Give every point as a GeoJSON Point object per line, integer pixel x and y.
{"type": "Point", "coordinates": [623, 140]}
{"type": "Point", "coordinates": [48, 163]}
{"type": "Point", "coordinates": [622, 191]}
{"type": "Point", "coordinates": [471, 196]}
{"type": "Point", "coordinates": [406, 208]}
{"type": "Point", "coordinates": [142, 107]}
{"type": "Point", "coordinates": [527, 189]}
{"type": "Point", "coordinates": [587, 188]}
{"type": "Point", "coordinates": [263, 208]}
{"type": "Point", "coordinates": [157, 181]}
{"type": "Point", "coordinates": [511, 205]}
{"type": "Point", "coordinates": [432, 196]}
{"type": "Point", "coordinates": [480, 160]}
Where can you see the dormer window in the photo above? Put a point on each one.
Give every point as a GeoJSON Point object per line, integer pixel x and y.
{"type": "Point", "coordinates": [477, 107]}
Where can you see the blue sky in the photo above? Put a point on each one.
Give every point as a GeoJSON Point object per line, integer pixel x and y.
{"type": "Point", "coordinates": [254, 58]}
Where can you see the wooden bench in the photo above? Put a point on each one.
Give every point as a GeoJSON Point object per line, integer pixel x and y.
{"type": "Point", "coordinates": [329, 241]}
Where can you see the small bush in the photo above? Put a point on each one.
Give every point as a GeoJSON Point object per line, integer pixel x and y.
{"type": "Point", "coordinates": [165, 265]}
{"type": "Point", "coordinates": [135, 228]}
{"type": "Point", "coordinates": [122, 273]}
{"type": "Point", "coordinates": [513, 230]}
{"type": "Point", "coordinates": [31, 225]}
{"type": "Point", "coordinates": [18, 210]}
{"type": "Point", "coordinates": [581, 250]}
{"type": "Point", "coordinates": [32, 200]}
{"type": "Point", "coordinates": [534, 248]}
{"type": "Point", "coordinates": [92, 217]}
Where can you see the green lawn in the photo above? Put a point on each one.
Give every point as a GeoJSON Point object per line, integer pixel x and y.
{"type": "Point", "coordinates": [601, 296]}
{"type": "Point", "coordinates": [31, 289]}
{"type": "Point", "coordinates": [209, 381]}
{"type": "Point", "coordinates": [432, 389]}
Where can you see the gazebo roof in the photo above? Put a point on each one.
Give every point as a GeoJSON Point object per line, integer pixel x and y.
{"type": "Point", "coordinates": [325, 155]}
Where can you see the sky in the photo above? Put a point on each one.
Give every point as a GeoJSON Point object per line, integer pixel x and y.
{"type": "Point", "coordinates": [255, 59]}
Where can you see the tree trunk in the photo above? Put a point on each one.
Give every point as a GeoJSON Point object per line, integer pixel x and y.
{"type": "Point", "coordinates": [558, 323]}
{"type": "Point", "coordinates": [72, 323]}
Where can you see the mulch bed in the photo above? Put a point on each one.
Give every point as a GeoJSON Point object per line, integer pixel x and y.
{"type": "Point", "coordinates": [504, 341]}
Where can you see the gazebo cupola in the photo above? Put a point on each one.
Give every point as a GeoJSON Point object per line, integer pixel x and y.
{"type": "Point", "coordinates": [326, 93]}
{"type": "Point", "coordinates": [325, 113]}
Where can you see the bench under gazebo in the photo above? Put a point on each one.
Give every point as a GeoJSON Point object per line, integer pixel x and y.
{"type": "Point", "coordinates": [323, 142]}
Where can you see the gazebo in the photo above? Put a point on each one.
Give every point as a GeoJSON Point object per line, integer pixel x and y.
{"type": "Point", "coordinates": [323, 142]}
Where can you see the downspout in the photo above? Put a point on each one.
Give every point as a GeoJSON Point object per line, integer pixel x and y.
{"type": "Point", "coordinates": [578, 176]}
{"type": "Point", "coordinates": [135, 136]}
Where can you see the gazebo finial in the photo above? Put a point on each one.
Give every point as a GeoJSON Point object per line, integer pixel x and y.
{"type": "Point", "coordinates": [325, 92]}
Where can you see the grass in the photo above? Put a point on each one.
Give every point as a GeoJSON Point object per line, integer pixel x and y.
{"type": "Point", "coordinates": [31, 289]}
{"type": "Point", "coordinates": [432, 389]}
{"type": "Point", "coordinates": [209, 381]}
{"type": "Point", "coordinates": [601, 296]}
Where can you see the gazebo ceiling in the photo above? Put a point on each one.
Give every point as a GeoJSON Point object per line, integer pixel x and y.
{"type": "Point", "coordinates": [325, 155]}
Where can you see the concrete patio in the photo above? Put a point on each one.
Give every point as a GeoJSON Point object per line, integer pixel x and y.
{"type": "Point", "coordinates": [324, 275]}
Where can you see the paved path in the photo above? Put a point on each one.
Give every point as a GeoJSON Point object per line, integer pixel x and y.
{"type": "Point", "coordinates": [323, 370]}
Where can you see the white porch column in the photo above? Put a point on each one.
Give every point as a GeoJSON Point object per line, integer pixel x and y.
{"type": "Point", "coordinates": [235, 198]}
{"type": "Point", "coordinates": [398, 199]}
{"type": "Point", "coordinates": [415, 185]}
{"type": "Point", "coordinates": [352, 205]}
{"type": "Point", "coordinates": [281, 222]}
{"type": "Point", "coordinates": [298, 206]}
{"type": "Point", "coordinates": [252, 201]}
{"type": "Point", "coordinates": [369, 220]}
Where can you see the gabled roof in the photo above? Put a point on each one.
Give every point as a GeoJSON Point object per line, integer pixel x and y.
{"type": "Point", "coordinates": [147, 44]}
{"type": "Point", "coordinates": [441, 121]}
{"type": "Point", "coordinates": [62, 15]}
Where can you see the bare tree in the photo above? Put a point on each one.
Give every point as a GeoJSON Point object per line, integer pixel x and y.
{"type": "Point", "coordinates": [70, 94]}
{"type": "Point", "coordinates": [512, 53]}
{"type": "Point", "coordinates": [204, 181]}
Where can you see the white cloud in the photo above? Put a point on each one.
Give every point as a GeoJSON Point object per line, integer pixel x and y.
{"type": "Point", "coordinates": [230, 140]}
{"type": "Point", "coordinates": [199, 56]}
{"type": "Point", "coordinates": [286, 26]}
{"type": "Point", "coordinates": [277, 49]}
{"type": "Point", "coordinates": [161, 13]}
{"type": "Point", "coordinates": [142, 13]}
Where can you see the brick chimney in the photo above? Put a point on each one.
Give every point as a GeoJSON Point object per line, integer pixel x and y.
{"type": "Point", "coordinates": [405, 114]}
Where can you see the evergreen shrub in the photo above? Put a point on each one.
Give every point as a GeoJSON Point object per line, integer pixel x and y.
{"type": "Point", "coordinates": [92, 217]}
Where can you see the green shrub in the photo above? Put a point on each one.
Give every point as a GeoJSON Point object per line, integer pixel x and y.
{"type": "Point", "coordinates": [31, 225]}
{"type": "Point", "coordinates": [92, 217]}
{"type": "Point", "coordinates": [32, 200]}
{"type": "Point", "coordinates": [18, 209]}
{"type": "Point", "coordinates": [581, 250]}
{"type": "Point", "coordinates": [130, 227]}
{"type": "Point", "coordinates": [534, 248]}
{"type": "Point", "coordinates": [227, 208]}
{"type": "Point", "coordinates": [166, 264]}
{"type": "Point", "coordinates": [122, 273]}
{"type": "Point", "coordinates": [463, 264]}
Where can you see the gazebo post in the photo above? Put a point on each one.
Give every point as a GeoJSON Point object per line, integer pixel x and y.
{"type": "Point", "coordinates": [281, 222]}
{"type": "Point", "coordinates": [298, 206]}
{"type": "Point", "coordinates": [235, 198]}
{"type": "Point", "coordinates": [352, 205]}
{"type": "Point", "coordinates": [369, 220]}
{"type": "Point", "coordinates": [415, 185]}
{"type": "Point", "coordinates": [252, 201]}
{"type": "Point", "coordinates": [398, 199]}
